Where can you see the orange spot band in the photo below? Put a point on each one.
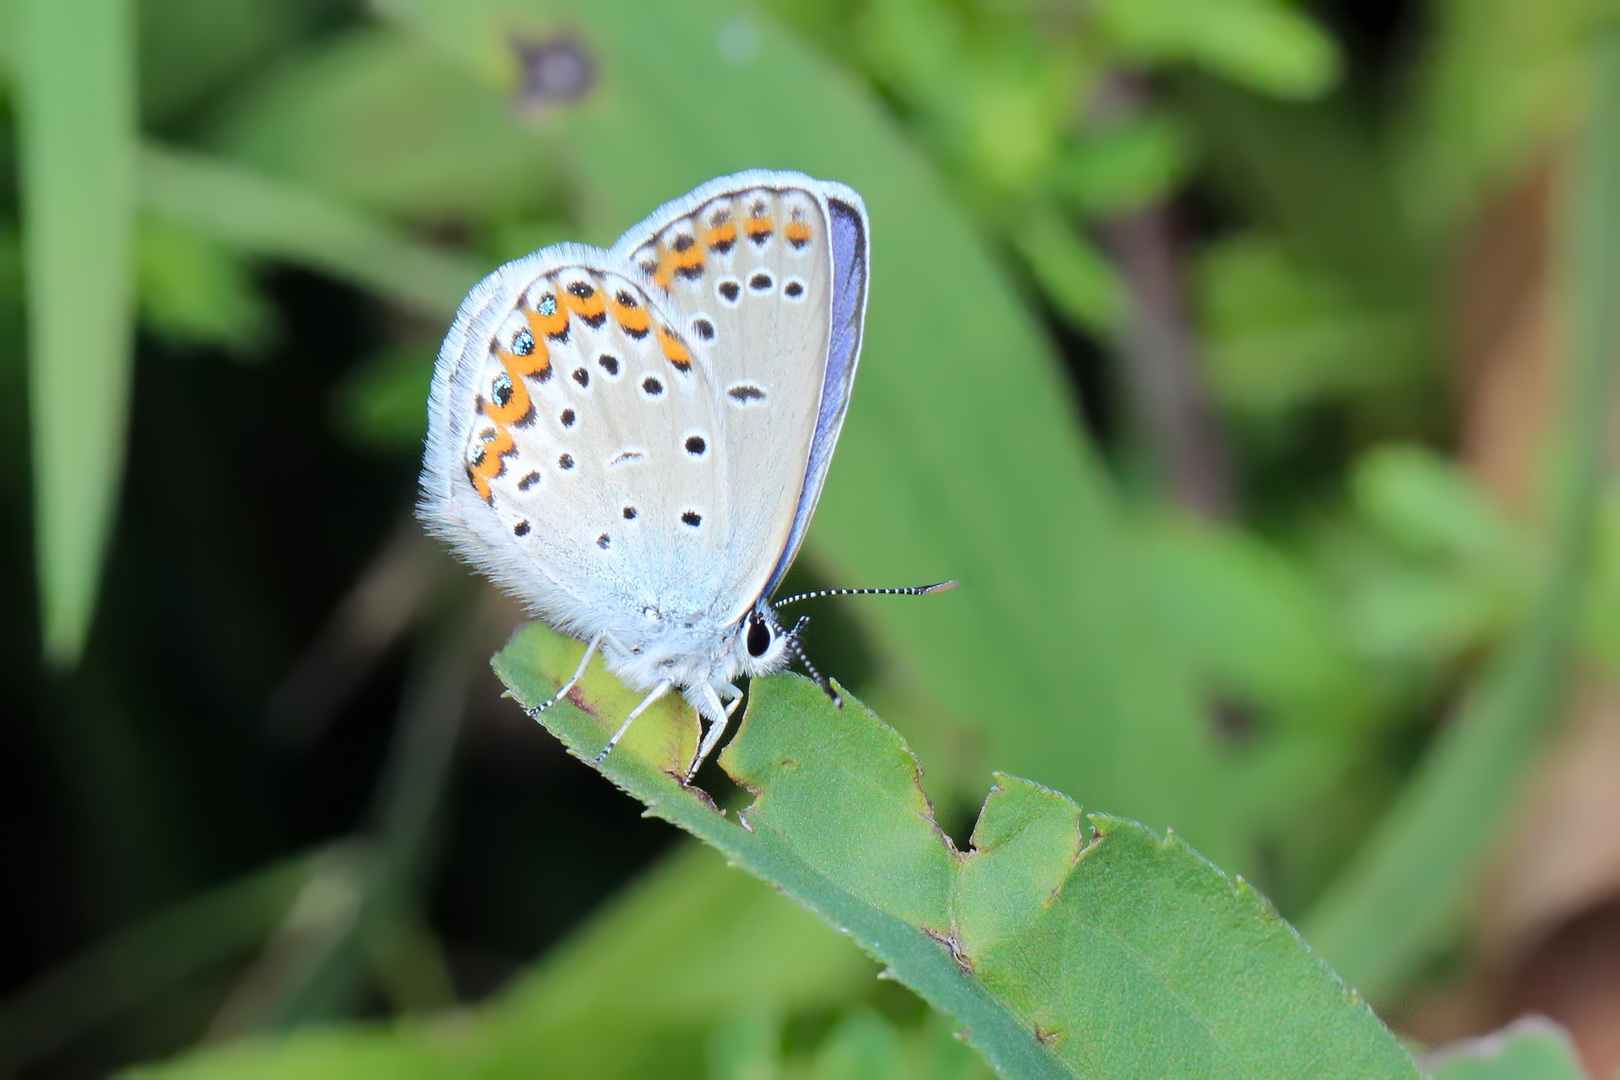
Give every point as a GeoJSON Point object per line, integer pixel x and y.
{"type": "Point", "coordinates": [632, 317]}
{"type": "Point", "coordinates": [721, 234]}
{"type": "Point", "coordinates": [675, 350]}
{"type": "Point", "coordinates": [586, 307]}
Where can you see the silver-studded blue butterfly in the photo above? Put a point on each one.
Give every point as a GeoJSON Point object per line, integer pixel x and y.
{"type": "Point", "coordinates": [632, 442]}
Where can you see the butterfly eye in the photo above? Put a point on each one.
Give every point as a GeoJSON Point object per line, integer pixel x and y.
{"type": "Point", "coordinates": [759, 636]}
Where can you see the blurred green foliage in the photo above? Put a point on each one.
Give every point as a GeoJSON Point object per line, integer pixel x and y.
{"type": "Point", "coordinates": [274, 208]}
{"type": "Point", "coordinates": [1529, 1050]}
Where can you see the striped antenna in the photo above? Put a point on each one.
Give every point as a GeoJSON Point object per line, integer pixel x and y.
{"type": "Point", "coordinates": [908, 590]}
{"type": "Point", "coordinates": [792, 641]}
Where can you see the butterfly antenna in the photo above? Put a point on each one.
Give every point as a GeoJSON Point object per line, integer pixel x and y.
{"type": "Point", "coordinates": [797, 649]}
{"type": "Point", "coordinates": [908, 590]}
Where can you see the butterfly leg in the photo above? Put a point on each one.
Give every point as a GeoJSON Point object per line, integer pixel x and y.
{"type": "Point", "coordinates": [718, 716]}
{"type": "Point", "coordinates": [562, 691]}
{"type": "Point", "coordinates": [657, 692]}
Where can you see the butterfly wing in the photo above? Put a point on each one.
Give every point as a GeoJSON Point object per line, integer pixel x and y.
{"type": "Point", "coordinates": [648, 429]}
{"type": "Point", "coordinates": [572, 447]}
{"type": "Point", "coordinates": [766, 272]}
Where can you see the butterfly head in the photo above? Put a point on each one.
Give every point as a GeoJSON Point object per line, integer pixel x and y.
{"type": "Point", "coordinates": [761, 645]}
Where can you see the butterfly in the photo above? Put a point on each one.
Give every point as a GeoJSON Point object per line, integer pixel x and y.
{"type": "Point", "coordinates": [632, 442]}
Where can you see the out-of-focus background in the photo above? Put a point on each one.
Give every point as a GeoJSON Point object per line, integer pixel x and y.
{"type": "Point", "coordinates": [1242, 358]}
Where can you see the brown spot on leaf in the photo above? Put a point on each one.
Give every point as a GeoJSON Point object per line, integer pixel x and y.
{"type": "Point", "coordinates": [951, 942]}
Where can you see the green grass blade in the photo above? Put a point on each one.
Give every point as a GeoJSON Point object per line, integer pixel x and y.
{"type": "Point", "coordinates": [76, 134]}
{"type": "Point", "coordinates": [1398, 901]}
{"type": "Point", "coordinates": [961, 457]}
{"type": "Point", "coordinates": [1062, 949]}
{"type": "Point", "coordinates": [276, 219]}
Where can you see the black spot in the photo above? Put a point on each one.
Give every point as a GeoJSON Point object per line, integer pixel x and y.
{"type": "Point", "coordinates": [794, 289]}
{"type": "Point", "coordinates": [603, 541]}
{"type": "Point", "coordinates": [723, 246]}
{"type": "Point", "coordinates": [478, 457]}
{"type": "Point", "coordinates": [758, 209]}
{"type": "Point", "coordinates": [595, 321]}
{"type": "Point", "coordinates": [695, 445]}
{"type": "Point", "coordinates": [625, 299]}
{"type": "Point", "coordinates": [692, 518]}
{"type": "Point", "coordinates": [547, 305]}
{"type": "Point", "coordinates": [683, 243]}
{"type": "Point", "coordinates": [561, 336]}
{"type": "Point", "coordinates": [567, 418]}
{"type": "Point", "coordinates": [502, 390]}
{"type": "Point", "coordinates": [759, 282]}
{"type": "Point", "coordinates": [523, 342]}
{"type": "Point", "coordinates": [582, 290]}
{"type": "Point", "coordinates": [729, 290]}
{"type": "Point", "coordinates": [528, 481]}
{"type": "Point", "coordinates": [609, 364]}
{"type": "Point", "coordinates": [703, 328]}
{"type": "Point", "coordinates": [759, 636]}
{"type": "Point", "coordinates": [582, 376]}
{"type": "Point", "coordinates": [521, 529]}
{"type": "Point", "coordinates": [566, 461]}
{"type": "Point", "coordinates": [690, 273]}
{"type": "Point", "coordinates": [638, 334]}
{"type": "Point", "coordinates": [652, 386]}
{"type": "Point", "coordinates": [746, 393]}
{"type": "Point", "coordinates": [629, 513]}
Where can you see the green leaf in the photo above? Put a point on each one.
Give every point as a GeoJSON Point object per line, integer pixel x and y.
{"type": "Point", "coordinates": [1065, 947]}
{"type": "Point", "coordinates": [194, 290]}
{"type": "Point", "coordinates": [864, 1046]}
{"type": "Point", "coordinates": [746, 1047]}
{"type": "Point", "coordinates": [651, 956]}
{"type": "Point", "coordinates": [268, 217]}
{"type": "Point", "coordinates": [1262, 44]}
{"type": "Point", "coordinates": [350, 120]}
{"type": "Point", "coordinates": [1123, 166]}
{"type": "Point", "coordinates": [1533, 1049]}
{"type": "Point", "coordinates": [1431, 507]}
{"type": "Point", "coordinates": [1283, 336]}
{"type": "Point", "coordinates": [75, 105]}
{"type": "Point", "coordinates": [1079, 279]}
{"type": "Point", "coordinates": [690, 942]}
{"type": "Point", "coordinates": [960, 458]}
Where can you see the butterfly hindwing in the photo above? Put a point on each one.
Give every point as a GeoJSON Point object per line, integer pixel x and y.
{"type": "Point", "coordinates": [587, 469]}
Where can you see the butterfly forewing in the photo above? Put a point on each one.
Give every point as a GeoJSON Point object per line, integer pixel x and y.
{"type": "Point", "coordinates": [748, 275]}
